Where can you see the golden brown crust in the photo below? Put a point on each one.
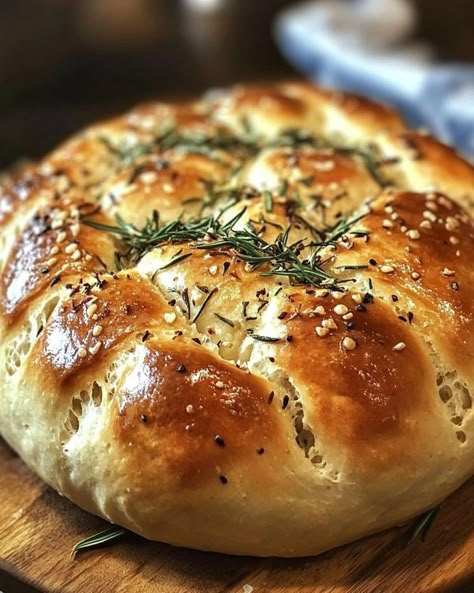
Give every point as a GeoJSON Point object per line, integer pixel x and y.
{"type": "Point", "coordinates": [425, 239]}
{"type": "Point", "coordinates": [194, 416]}
{"type": "Point", "coordinates": [101, 313]}
{"type": "Point", "coordinates": [172, 184]}
{"type": "Point", "coordinates": [349, 105]}
{"type": "Point", "coordinates": [51, 248]}
{"type": "Point", "coordinates": [303, 382]}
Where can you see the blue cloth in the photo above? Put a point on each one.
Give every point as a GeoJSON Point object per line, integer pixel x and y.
{"type": "Point", "coordinates": [430, 95]}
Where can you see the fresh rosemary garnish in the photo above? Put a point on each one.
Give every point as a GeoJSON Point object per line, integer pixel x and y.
{"type": "Point", "coordinates": [99, 539]}
{"type": "Point", "coordinates": [247, 145]}
{"type": "Point", "coordinates": [203, 306]}
{"type": "Point", "coordinates": [173, 261]}
{"type": "Point", "coordinates": [351, 267]}
{"type": "Point", "coordinates": [261, 338]}
{"type": "Point", "coordinates": [268, 201]}
{"type": "Point", "coordinates": [215, 193]}
{"type": "Point", "coordinates": [296, 138]}
{"type": "Point", "coordinates": [225, 319]}
{"type": "Point", "coordinates": [331, 235]}
{"type": "Point", "coordinates": [283, 187]}
{"type": "Point", "coordinates": [280, 258]}
{"type": "Point", "coordinates": [421, 525]}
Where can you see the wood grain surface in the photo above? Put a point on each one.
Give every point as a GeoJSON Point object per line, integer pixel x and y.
{"type": "Point", "coordinates": [38, 529]}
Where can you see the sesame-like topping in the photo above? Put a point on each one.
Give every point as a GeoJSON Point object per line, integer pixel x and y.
{"type": "Point", "coordinates": [320, 310]}
{"type": "Point", "coordinates": [170, 317]}
{"type": "Point", "coordinates": [442, 201]}
{"type": "Point", "coordinates": [148, 177]}
{"type": "Point", "coordinates": [168, 188]}
{"type": "Point", "coordinates": [453, 240]}
{"type": "Point", "coordinates": [91, 310]}
{"type": "Point", "coordinates": [399, 347]}
{"type": "Point", "coordinates": [413, 234]}
{"type": "Point", "coordinates": [82, 352]}
{"type": "Point", "coordinates": [322, 292]}
{"type": "Point", "coordinates": [61, 237]}
{"type": "Point", "coordinates": [76, 255]}
{"type": "Point", "coordinates": [213, 270]}
{"type": "Point", "coordinates": [75, 229]}
{"type": "Point", "coordinates": [97, 330]}
{"type": "Point", "coordinates": [95, 348]}
{"type": "Point", "coordinates": [220, 384]}
{"type": "Point", "coordinates": [415, 275]}
{"type": "Point", "coordinates": [51, 261]}
{"type": "Point", "coordinates": [387, 224]}
{"type": "Point", "coordinates": [329, 323]}
{"type": "Point", "coordinates": [54, 250]}
{"type": "Point", "coordinates": [71, 248]}
{"type": "Point", "coordinates": [348, 316]}
{"type": "Point", "coordinates": [425, 224]}
{"type": "Point", "coordinates": [448, 272]}
{"type": "Point", "coordinates": [386, 269]}
{"type": "Point", "coordinates": [429, 215]}
{"type": "Point", "coordinates": [340, 309]}
{"type": "Point", "coordinates": [323, 165]}
{"type": "Point", "coordinates": [322, 331]}
{"type": "Point", "coordinates": [357, 298]}
{"type": "Point", "coordinates": [452, 223]}
{"type": "Point", "coordinates": [348, 343]}
{"type": "Point", "coordinates": [189, 409]}
{"type": "Point", "coordinates": [431, 206]}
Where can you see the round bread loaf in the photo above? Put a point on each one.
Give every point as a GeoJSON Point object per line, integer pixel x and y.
{"type": "Point", "coordinates": [243, 324]}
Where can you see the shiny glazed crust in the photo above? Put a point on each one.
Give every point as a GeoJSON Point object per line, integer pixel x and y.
{"type": "Point", "coordinates": [192, 399]}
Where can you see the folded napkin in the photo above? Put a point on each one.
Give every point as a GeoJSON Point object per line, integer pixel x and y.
{"type": "Point", "coordinates": [364, 46]}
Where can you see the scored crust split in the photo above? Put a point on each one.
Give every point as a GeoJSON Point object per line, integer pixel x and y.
{"type": "Point", "coordinates": [243, 324]}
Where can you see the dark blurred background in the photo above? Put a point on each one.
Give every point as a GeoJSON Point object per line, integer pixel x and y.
{"type": "Point", "coordinates": [66, 62]}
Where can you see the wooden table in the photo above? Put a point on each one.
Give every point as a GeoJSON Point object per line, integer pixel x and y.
{"type": "Point", "coordinates": [38, 529]}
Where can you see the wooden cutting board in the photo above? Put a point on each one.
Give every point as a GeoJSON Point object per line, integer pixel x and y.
{"type": "Point", "coordinates": [38, 529]}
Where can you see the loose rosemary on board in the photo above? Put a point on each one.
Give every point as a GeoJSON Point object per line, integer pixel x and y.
{"type": "Point", "coordinates": [418, 530]}
{"type": "Point", "coordinates": [99, 539]}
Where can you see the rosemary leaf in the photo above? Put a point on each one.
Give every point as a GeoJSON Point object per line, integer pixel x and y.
{"type": "Point", "coordinates": [225, 319]}
{"type": "Point", "coordinates": [351, 267]}
{"type": "Point", "coordinates": [261, 338]}
{"type": "Point", "coordinates": [203, 306]}
{"type": "Point", "coordinates": [268, 201]}
{"type": "Point", "coordinates": [422, 525]}
{"type": "Point", "coordinates": [172, 262]}
{"type": "Point", "coordinates": [279, 258]}
{"type": "Point", "coordinates": [99, 539]}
